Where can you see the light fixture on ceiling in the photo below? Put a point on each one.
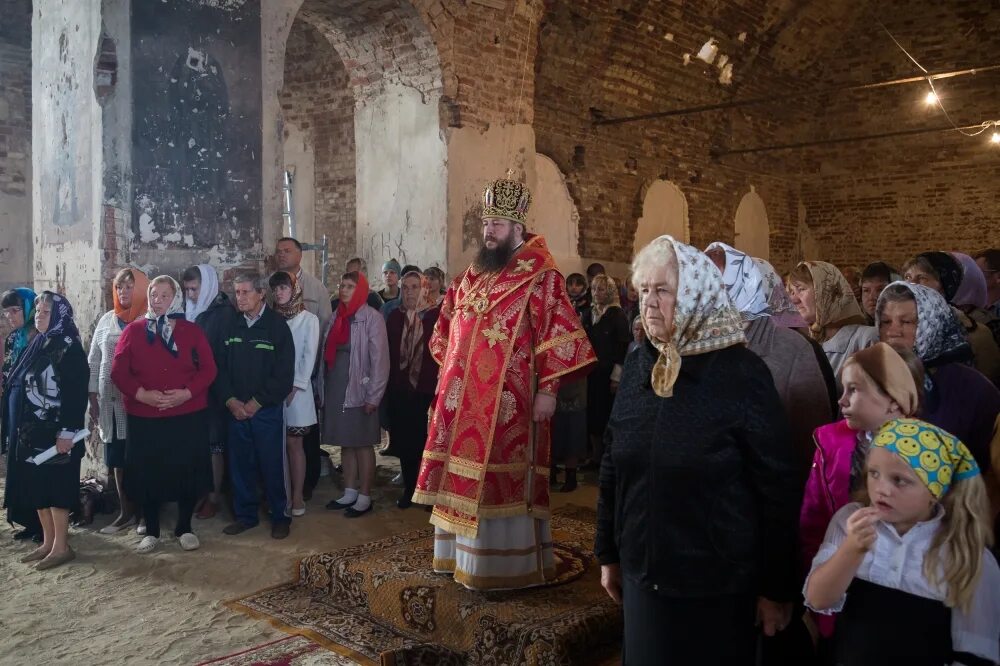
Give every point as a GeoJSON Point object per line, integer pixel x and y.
{"type": "Point", "coordinates": [996, 137]}
{"type": "Point", "coordinates": [931, 98]}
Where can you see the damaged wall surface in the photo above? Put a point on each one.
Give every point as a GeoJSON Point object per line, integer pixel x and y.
{"type": "Point", "coordinates": [196, 133]}
{"type": "Point", "coordinates": [15, 143]}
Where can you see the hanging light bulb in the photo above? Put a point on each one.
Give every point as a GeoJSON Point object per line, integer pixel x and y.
{"type": "Point", "coordinates": [931, 98]}
{"type": "Point", "coordinates": [995, 138]}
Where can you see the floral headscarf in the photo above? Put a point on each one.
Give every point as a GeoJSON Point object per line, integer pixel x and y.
{"type": "Point", "coordinates": [744, 282]}
{"type": "Point", "coordinates": [295, 304]}
{"type": "Point", "coordinates": [836, 305]}
{"type": "Point", "coordinates": [704, 317]}
{"type": "Point", "coordinates": [783, 312]}
{"type": "Point", "coordinates": [972, 290]}
{"type": "Point", "coordinates": [597, 310]}
{"type": "Point", "coordinates": [139, 294]}
{"type": "Point", "coordinates": [940, 337]}
{"type": "Point", "coordinates": [163, 326]}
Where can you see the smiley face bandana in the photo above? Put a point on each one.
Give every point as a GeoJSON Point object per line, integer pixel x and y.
{"type": "Point", "coordinates": [937, 457]}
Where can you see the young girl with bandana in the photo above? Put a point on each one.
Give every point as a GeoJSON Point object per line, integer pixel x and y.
{"type": "Point", "coordinates": [907, 570]}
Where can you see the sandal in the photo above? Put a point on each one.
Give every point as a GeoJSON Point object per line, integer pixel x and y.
{"type": "Point", "coordinates": [189, 541]}
{"type": "Point", "coordinates": [208, 510]}
{"type": "Point", "coordinates": [116, 527]}
{"type": "Point", "coordinates": [147, 545]}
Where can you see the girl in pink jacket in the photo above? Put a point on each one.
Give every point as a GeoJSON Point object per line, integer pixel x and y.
{"type": "Point", "coordinates": [881, 383]}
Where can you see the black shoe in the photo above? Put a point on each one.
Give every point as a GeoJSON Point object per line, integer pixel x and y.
{"type": "Point", "coordinates": [233, 529]}
{"type": "Point", "coordinates": [307, 494]}
{"type": "Point", "coordinates": [354, 513]}
{"type": "Point", "coordinates": [280, 530]}
{"type": "Point", "coordinates": [570, 484]}
{"type": "Point", "coordinates": [334, 505]}
{"type": "Point", "coordinates": [339, 469]}
{"type": "Point", "coordinates": [24, 535]}
{"type": "Point", "coordinates": [404, 503]}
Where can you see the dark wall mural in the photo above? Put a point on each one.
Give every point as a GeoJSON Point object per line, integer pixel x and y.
{"type": "Point", "coordinates": [196, 137]}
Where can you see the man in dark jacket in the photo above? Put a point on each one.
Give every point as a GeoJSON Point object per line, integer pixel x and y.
{"type": "Point", "coordinates": [256, 361]}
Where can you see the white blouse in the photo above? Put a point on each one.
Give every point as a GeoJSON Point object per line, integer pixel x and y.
{"type": "Point", "coordinates": [305, 333]}
{"type": "Point", "coordinates": [102, 352]}
{"type": "Point", "coordinates": [897, 562]}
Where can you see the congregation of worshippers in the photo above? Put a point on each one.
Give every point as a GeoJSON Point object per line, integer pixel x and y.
{"type": "Point", "coordinates": [811, 456]}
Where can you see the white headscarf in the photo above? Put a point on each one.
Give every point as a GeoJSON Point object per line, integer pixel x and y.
{"type": "Point", "coordinates": [209, 290]}
{"type": "Point", "coordinates": [744, 282]}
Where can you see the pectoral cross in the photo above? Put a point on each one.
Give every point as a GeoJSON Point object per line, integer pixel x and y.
{"type": "Point", "coordinates": [495, 334]}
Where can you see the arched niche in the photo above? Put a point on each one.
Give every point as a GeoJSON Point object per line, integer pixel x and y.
{"type": "Point", "coordinates": [753, 232]}
{"type": "Point", "coordinates": [664, 211]}
{"type": "Point", "coordinates": [553, 213]}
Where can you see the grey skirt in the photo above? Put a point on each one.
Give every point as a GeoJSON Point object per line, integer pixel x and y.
{"type": "Point", "coordinates": [346, 427]}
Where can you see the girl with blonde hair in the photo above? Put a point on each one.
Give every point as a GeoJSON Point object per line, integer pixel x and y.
{"type": "Point", "coordinates": [908, 570]}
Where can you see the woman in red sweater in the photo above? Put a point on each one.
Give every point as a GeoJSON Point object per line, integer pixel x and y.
{"type": "Point", "coordinates": [164, 367]}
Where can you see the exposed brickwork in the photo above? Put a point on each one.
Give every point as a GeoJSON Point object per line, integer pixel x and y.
{"type": "Point", "coordinates": [15, 118]}
{"type": "Point", "coordinates": [318, 99]}
{"type": "Point", "coordinates": [613, 57]}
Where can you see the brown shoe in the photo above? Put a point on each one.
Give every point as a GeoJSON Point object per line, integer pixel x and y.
{"type": "Point", "coordinates": [53, 561]}
{"type": "Point", "coordinates": [35, 555]}
{"type": "Point", "coordinates": [208, 510]}
{"type": "Point", "coordinates": [280, 530]}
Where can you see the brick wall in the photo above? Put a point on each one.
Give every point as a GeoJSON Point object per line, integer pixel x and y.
{"type": "Point", "coordinates": [15, 142]}
{"type": "Point", "coordinates": [614, 58]}
{"type": "Point", "coordinates": [318, 99]}
{"type": "Point", "coordinates": [892, 198]}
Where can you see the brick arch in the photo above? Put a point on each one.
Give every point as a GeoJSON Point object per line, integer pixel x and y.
{"type": "Point", "coordinates": [383, 41]}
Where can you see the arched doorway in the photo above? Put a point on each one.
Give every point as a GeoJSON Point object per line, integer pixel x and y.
{"type": "Point", "coordinates": [753, 232]}
{"type": "Point", "coordinates": [554, 214]}
{"type": "Point", "coordinates": [362, 86]}
{"type": "Point", "coordinates": [664, 211]}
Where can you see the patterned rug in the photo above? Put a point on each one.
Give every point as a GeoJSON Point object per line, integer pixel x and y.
{"type": "Point", "coordinates": [290, 651]}
{"type": "Point", "coordinates": [380, 603]}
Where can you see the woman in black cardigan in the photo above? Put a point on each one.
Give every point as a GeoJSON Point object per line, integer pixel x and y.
{"type": "Point", "coordinates": [699, 498]}
{"type": "Point", "coordinates": [49, 400]}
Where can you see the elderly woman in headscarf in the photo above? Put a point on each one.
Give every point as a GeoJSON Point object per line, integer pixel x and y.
{"type": "Point", "coordinates": [163, 366]}
{"type": "Point", "coordinates": [609, 332]}
{"type": "Point", "coordinates": [789, 356]}
{"type": "Point", "coordinates": [48, 401]}
{"type": "Point", "coordinates": [943, 273]}
{"type": "Point", "coordinates": [19, 313]}
{"type": "Point", "coordinates": [106, 407]}
{"type": "Point", "coordinates": [300, 406]}
{"type": "Point", "coordinates": [958, 397]}
{"type": "Point", "coordinates": [699, 487]}
{"type": "Point", "coordinates": [826, 301]}
{"type": "Point", "coordinates": [201, 287]}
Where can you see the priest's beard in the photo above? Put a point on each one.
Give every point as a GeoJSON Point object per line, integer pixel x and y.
{"type": "Point", "coordinates": [491, 261]}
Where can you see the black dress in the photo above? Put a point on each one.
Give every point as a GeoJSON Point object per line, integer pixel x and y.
{"type": "Point", "coordinates": [18, 511]}
{"type": "Point", "coordinates": [610, 337]}
{"type": "Point", "coordinates": [50, 395]}
{"type": "Point", "coordinates": [881, 625]}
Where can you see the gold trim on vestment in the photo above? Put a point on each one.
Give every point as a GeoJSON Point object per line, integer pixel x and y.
{"type": "Point", "coordinates": [560, 339]}
{"type": "Point", "coordinates": [505, 582]}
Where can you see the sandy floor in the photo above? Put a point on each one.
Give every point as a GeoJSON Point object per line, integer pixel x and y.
{"type": "Point", "coordinates": [112, 606]}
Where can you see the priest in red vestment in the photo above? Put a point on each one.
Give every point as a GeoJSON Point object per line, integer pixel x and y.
{"type": "Point", "coordinates": [507, 336]}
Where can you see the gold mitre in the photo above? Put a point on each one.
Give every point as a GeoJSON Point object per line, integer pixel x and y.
{"type": "Point", "coordinates": [507, 199]}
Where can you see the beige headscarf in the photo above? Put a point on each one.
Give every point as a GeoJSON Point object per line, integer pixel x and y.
{"type": "Point", "coordinates": [596, 309]}
{"type": "Point", "coordinates": [835, 303]}
{"type": "Point", "coordinates": [705, 319]}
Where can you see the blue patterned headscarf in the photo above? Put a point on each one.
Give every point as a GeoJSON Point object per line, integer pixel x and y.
{"type": "Point", "coordinates": [940, 337]}
{"type": "Point", "coordinates": [22, 334]}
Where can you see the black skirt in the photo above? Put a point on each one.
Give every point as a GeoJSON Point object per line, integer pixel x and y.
{"type": "Point", "coordinates": [167, 459]}
{"type": "Point", "coordinates": [54, 484]}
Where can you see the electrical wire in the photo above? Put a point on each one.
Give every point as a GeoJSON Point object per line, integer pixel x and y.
{"type": "Point", "coordinates": [985, 125]}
